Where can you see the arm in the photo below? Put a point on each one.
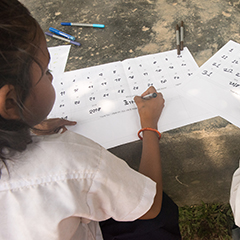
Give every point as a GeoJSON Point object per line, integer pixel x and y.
{"type": "Point", "coordinates": [150, 165]}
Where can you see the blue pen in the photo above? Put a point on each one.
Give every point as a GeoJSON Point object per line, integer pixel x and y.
{"type": "Point", "coordinates": [61, 38]}
{"type": "Point", "coordinates": [83, 24]}
{"type": "Point", "coordinates": [61, 33]}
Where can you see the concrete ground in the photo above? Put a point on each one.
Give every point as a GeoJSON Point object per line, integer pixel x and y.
{"type": "Point", "coordinates": [199, 159]}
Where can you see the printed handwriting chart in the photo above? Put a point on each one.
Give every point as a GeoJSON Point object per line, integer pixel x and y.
{"type": "Point", "coordinates": [216, 86]}
{"type": "Point", "coordinates": [100, 98]}
{"type": "Point", "coordinates": [91, 93]}
{"type": "Point", "coordinates": [165, 71]}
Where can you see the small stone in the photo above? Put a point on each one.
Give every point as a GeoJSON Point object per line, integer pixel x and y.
{"type": "Point", "coordinates": [226, 14]}
{"type": "Point", "coordinates": [144, 29]}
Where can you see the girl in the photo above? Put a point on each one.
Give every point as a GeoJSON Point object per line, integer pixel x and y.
{"type": "Point", "coordinates": [60, 186]}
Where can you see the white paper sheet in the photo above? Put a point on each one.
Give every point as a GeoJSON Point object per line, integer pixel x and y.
{"type": "Point", "coordinates": [100, 98]}
{"type": "Point", "coordinates": [216, 85]}
{"type": "Point", "coordinates": [59, 56]}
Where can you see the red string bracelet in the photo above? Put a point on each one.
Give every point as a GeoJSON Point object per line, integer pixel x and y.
{"type": "Point", "coordinates": [149, 129]}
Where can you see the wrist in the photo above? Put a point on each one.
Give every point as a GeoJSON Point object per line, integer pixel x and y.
{"type": "Point", "coordinates": [149, 125]}
{"type": "Point", "coordinates": [151, 130]}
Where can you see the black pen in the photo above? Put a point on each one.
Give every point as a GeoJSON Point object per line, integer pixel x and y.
{"type": "Point", "coordinates": [181, 36]}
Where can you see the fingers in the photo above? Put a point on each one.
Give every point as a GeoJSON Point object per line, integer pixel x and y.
{"type": "Point", "coordinates": [149, 109]}
{"type": "Point", "coordinates": [64, 123]}
{"type": "Point", "coordinates": [53, 125]}
{"type": "Point", "coordinates": [63, 129]}
{"type": "Point", "coordinates": [68, 122]}
{"type": "Point", "coordinates": [137, 99]}
{"type": "Point", "coordinates": [150, 90]}
{"type": "Point", "coordinates": [61, 125]}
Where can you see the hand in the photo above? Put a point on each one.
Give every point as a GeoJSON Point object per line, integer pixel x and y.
{"type": "Point", "coordinates": [149, 110]}
{"type": "Point", "coordinates": [52, 126]}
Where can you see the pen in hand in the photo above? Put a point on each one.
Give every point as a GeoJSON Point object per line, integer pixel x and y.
{"type": "Point", "coordinates": [149, 96]}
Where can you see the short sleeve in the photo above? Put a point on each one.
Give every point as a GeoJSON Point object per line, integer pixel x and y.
{"type": "Point", "coordinates": [66, 183]}
{"type": "Point", "coordinates": [118, 191]}
{"type": "Point", "coordinates": [235, 196]}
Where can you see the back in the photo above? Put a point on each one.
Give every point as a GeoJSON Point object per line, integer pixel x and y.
{"type": "Point", "coordinates": [62, 185]}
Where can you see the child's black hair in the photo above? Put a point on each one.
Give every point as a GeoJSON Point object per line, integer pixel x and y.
{"type": "Point", "coordinates": [19, 40]}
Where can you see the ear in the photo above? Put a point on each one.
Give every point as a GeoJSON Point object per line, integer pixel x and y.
{"type": "Point", "coordinates": [8, 103]}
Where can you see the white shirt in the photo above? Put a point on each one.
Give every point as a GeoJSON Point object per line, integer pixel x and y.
{"type": "Point", "coordinates": [235, 196]}
{"type": "Point", "coordinates": [63, 184]}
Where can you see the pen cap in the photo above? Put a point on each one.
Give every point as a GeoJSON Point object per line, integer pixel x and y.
{"type": "Point", "coordinates": [51, 29]}
{"type": "Point", "coordinates": [75, 43]}
{"type": "Point", "coordinates": [65, 24]}
{"type": "Point", "coordinates": [48, 34]}
{"type": "Point", "coordinates": [99, 25]}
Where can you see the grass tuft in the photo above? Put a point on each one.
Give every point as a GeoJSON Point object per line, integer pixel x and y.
{"type": "Point", "coordinates": [206, 222]}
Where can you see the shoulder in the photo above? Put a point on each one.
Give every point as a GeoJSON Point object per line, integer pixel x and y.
{"type": "Point", "coordinates": [59, 156]}
{"type": "Point", "coordinates": [68, 145]}
{"type": "Point", "coordinates": [67, 138]}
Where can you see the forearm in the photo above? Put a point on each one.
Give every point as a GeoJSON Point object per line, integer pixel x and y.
{"type": "Point", "coordinates": [150, 166]}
